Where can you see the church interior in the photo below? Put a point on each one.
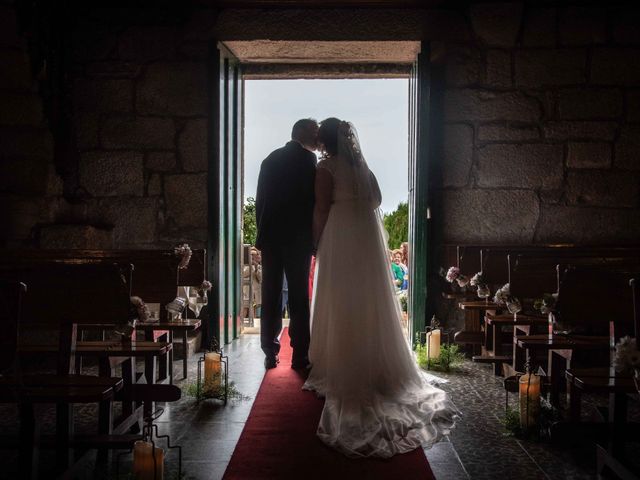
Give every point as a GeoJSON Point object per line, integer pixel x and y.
{"type": "Point", "coordinates": [125, 346]}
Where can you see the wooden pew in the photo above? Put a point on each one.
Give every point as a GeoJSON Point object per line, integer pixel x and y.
{"type": "Point", "coordinates": [530, 272]}
{"type": "Point", "coordinates": [11, 296]}
{"type": "Point", "coordinates": [589, 299]}
{"type": "Point", "coordinates": [469, 262]}
{"type": "Point", "coordinates": [618, 385]}
{"type": "Point", "coordinates": [155, 280]}
{"type": "Point", "coordinates": [111, 353]}
{"type": "Point", "coordinates": [102, 290]}
{"type": "Point", "coordinates": [467, 259]}
{"type": "Point", "coordinates": [494, 268]}
{"type": "Point", "coordinates": [497, 270]}
{"type": "Point", "coordinates": [48, 303]}
{"type": "Point", "coordinates": [535, 273]}
{"type": "Point", "coordinates": [191, 276]}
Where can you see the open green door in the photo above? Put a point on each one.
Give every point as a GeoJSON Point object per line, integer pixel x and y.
{"type": "Point", "coordinates": [419, 264]}
{"type": "Point", "coordinates": [224, 194]}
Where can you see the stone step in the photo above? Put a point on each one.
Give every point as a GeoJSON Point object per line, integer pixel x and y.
{"type": "Point", "coordinates": [194, 341]}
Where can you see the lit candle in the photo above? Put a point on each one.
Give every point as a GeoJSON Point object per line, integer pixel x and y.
{"type": "Point", "coordinates": [529, 399]}
{"type": "Point", "coordinates": [433, 337]}
{"type": "Point", "coordinates": [143, 457]}
{"type": "Point", "coordinates": [212, 369]}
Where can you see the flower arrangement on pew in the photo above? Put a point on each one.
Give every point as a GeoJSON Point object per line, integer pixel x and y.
{"type": "Point", "coordinates": [205, 286]}
{"type": "Point", "coordinates": [454, 275]}
{"type": "Point", "coordinates": [545, 304]}
{"type": "Point", "coordinates": [503, 297]}
{"type": "Point", "coordinates": [477, 280]}
{"type": "Point", "coordinates": [137, 311]}
{"type": "Point", "coordinates": [175, 308]}
{"type": "Point", "coordinates": [482, 288]}
{"type": "Point", "coordinates": [184, 253]}
{"type": "Point", "coordinates": [142, 309]}
{"type": "Point", "coordinates": [627, 357]}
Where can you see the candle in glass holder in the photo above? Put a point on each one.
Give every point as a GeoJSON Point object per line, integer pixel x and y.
{"type": "Point", "coordinates": [143, 461]}
{"type": "Point", "coordinates": [433, 337]}
{"type": "Point", "coordinates": [551, 319]}
{"type": "Point", "coordinates": [212, 368]}
{"type": "Point", "coordinates": [529, 394]}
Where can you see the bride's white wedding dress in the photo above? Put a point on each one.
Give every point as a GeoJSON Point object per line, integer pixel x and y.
{"type": "Point", "coordinates": [377, 401]}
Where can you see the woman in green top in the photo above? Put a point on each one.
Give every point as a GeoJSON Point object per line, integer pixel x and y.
{"type": "Point", "coordinates": [396, 272]}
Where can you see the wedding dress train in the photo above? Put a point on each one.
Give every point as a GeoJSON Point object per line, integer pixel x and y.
{"type": "Point", "coordinates": [377, 401]}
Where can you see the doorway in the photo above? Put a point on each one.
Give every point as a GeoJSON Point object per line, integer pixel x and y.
{"type": "Point", "coordinates": [378, 107]}
{"type": "Point", "coordinates": [233, 72]}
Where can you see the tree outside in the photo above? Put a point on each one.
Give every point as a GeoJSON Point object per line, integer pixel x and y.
{"type": "Point", "coordinates": [250, 228]}
{"type": "Point", "coordinates": [397, 225]}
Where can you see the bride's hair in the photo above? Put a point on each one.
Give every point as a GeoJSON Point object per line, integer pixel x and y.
{"type": "Point", "coordinates": [328, 136]}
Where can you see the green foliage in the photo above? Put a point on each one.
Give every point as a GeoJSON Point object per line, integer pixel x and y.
{"type": "Point", "coordinates": [511, 422]}
{"type": "Point", "coordinates": [249, 222]}
{"type": "Point", "coordinates": [548, 416]}
{"type": "Point", "coordinates": [450, 358]}
{"type": "Point", "coordinates": [397, 225]}
{"type": "Point", "coordinates": [214, 389]}
{"type": "Point", "coordinates": [403, 302]}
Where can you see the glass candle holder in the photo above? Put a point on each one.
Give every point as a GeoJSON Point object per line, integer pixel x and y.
{"type": "Point", "coordinates": [484, 292]}
{"type": "Point", "coordinates": [514, 306]}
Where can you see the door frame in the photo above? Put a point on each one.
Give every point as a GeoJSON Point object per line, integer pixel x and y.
{"type": "Point", "coordinates": [420, 234]}
{"type": "Point", "coordinates": [224, 312]}
{"type": "Point", "coordinates": [224, 185]}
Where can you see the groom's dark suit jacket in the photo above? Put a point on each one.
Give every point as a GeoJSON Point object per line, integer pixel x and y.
{"type": "Point", "coordinates": [285, 197]}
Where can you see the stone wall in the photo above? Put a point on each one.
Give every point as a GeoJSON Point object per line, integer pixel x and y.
{"type": "Point", "coordinates": [138, 96]}
{"type": "Point", "coordinates": [539, 137]}
{"type": "Point", "coordinates": [141, 119]}
{"type": "Point", "coordinates": [29, 185]}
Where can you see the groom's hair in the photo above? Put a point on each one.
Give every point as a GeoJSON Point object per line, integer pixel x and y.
{"type": "Point", "coordinates": [301, 126]}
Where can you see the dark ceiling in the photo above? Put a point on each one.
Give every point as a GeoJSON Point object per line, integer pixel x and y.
{"type": "Point", "coordinates": [328, 3]}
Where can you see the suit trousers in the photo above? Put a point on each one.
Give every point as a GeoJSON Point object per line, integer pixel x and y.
{"type": "Point", "coordinates": [294, 262]}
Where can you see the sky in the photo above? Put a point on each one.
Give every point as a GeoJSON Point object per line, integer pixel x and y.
{"type": "Point", "coordinates": [377, 107]}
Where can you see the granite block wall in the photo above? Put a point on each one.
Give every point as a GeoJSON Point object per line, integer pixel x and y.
{"type": "Point", "coordinates": [539, 140]}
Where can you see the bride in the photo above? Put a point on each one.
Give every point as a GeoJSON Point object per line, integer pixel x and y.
{"type": "Point", "coordinates": [377, 402]}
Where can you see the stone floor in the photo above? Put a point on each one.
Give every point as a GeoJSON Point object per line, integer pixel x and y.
{"type": "Point", "coordinates": [478, 448]}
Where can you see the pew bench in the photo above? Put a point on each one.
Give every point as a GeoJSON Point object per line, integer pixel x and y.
{"type": "Point", "coordinates": [182, 327]}
{"type": "Point", "coordinates": [473, 313]}
{"type": "Point", "coordinates": [100, 289]}
{"type": "Point", "coordinates": [494, 323]}
{"type": "Point", "coordinates": [535, 346]}
{"type": "Point", "coordinates": [155, 278]}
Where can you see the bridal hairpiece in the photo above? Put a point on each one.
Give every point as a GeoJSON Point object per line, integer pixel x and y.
{"type": "Point", "coordinates": [353, 145]}
{"type": "Point", "coordinates": [345, 129]}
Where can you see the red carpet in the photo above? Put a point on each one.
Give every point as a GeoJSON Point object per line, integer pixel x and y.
{"type": "Point", "coordinates": [279, 439]}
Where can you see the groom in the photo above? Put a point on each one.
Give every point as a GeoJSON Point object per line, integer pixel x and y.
{"type": "Point", "coordinates": [284, 211]}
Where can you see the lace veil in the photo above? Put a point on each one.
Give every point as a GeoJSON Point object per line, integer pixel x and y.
{"type": "Point", "coordinates": [365, 185]}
